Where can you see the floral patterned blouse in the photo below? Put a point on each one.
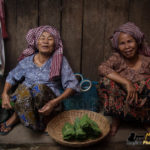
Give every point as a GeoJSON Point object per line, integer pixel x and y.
{"type": "Point", "coordinates": [40, 75]}
{"type": "Point", "coordinates": [116, 63]}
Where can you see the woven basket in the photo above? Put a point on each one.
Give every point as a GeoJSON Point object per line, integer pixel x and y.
{"type": "Point", "coordinates": [56, 124]}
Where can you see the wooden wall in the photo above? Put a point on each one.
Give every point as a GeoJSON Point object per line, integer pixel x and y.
{"type": "Point", "coordinates": [85, 27]}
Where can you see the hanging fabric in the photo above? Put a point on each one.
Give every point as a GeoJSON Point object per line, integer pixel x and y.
{"type": "Point", "coordinates": [2, 53]}
{"type": "Point", "coordinates": [2, 19]}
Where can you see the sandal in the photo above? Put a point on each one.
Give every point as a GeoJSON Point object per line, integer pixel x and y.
{"type": "Point", "coordinates": [4, 126]}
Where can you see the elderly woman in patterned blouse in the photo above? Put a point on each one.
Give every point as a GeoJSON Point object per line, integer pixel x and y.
{"type": "Point", "coordinates": [44, 71]}
{"type": "Point", "coordinates": [125, 87]}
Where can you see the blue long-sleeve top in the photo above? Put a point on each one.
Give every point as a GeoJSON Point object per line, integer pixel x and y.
{"type": "Point", "coordinates": [40, 75]}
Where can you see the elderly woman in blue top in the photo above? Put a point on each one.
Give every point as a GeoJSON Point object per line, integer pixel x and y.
{"type": "Point", "coordinates": [44, 71]}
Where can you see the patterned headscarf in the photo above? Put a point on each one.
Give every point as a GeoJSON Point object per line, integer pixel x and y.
{"type": "Point", "coordinates": [131, 29]}
{"type": "Point", "coordinates": [32, 39]}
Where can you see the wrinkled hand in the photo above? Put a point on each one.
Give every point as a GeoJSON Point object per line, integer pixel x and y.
{"type": "Point", "coordinates": [47, 108]}
{"type": "Point", "coordinates": [132, 95]}
{"type": "Point", "coordinates": [141, 102]}
{"type": "Point", "coordinates": [6, 101]}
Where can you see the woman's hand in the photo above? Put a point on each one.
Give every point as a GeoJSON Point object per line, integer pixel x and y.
{"type": "Point", "coordinates": [6, 101]}
{"type": "Point", "coordinates": [132, 93]}
{"type": "Point", "coordinates": [47, 108]}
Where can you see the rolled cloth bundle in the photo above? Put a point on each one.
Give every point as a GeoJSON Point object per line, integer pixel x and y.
{"type": "Point", "coordinates": [131, 29]}
{"type": "Point", "coordinates": [32, 39]}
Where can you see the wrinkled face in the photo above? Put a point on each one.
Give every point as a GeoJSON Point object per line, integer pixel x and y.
{"type": "Point", "coordinates": [127, 45]}
{"type": "Point", "coordinates": [45, 43]}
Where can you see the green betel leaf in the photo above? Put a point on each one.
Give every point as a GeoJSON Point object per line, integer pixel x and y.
{"type": "Point", "coordinates": [90, 127]}
{"type": "Point", "coordinates": [84, 122]}
{"type": "Point", "coordinates": [83, 129]}
{"type": "Point", "coordinates": [95, 130]}
{"type": "Point", "coordinates": [68, 131]}
{"type": "Point", "coordinates": [80, 134]}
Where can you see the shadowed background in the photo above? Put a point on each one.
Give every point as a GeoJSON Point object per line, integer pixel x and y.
{"type": "Point", "coordinates": [85, 27]}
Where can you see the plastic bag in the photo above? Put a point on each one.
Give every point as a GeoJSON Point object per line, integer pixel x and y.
{"type": "Point", "coordinates": [87, 99]}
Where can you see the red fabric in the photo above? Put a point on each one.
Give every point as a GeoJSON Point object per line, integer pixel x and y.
{"type": "Point", "coordinates": [113, 96]}
{"type": "Point", "coordinates": [2, 19]}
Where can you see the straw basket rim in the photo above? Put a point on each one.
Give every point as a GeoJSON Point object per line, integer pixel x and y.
{"type": "Point", "coordinates": [56, 124]}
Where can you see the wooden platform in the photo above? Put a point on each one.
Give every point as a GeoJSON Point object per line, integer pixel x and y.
{"type": "Point", "coordinates": [22, 138]}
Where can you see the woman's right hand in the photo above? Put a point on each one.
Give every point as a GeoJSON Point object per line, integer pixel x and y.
{"type": "Point", "coordinates": [132, 93]}
{"type": "Point", "coordinates": [6, 101]}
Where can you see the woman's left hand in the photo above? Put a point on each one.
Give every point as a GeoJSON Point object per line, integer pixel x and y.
{"type": "Point", "coordinates": [47, 108]}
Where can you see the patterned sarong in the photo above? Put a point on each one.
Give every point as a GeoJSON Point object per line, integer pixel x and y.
{"type": "Point", "coordinates": [28, 101]}
{"type": "Point", "coordinates": [114, 96]}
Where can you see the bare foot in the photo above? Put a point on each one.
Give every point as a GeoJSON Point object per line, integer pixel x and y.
{"type": "Point", "coordinates": [5, 127]}
{"type": "Point", "coordinates": [114, 126]}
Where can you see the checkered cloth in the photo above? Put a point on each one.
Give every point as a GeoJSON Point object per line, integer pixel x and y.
{"type": "Point", "coordinates": [32, 39]}
{"type": "Point", "coordinates": [131, 29]}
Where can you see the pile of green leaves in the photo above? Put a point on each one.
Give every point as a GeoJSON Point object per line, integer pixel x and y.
{"type": "Point", "coordinates": [83, 128]}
